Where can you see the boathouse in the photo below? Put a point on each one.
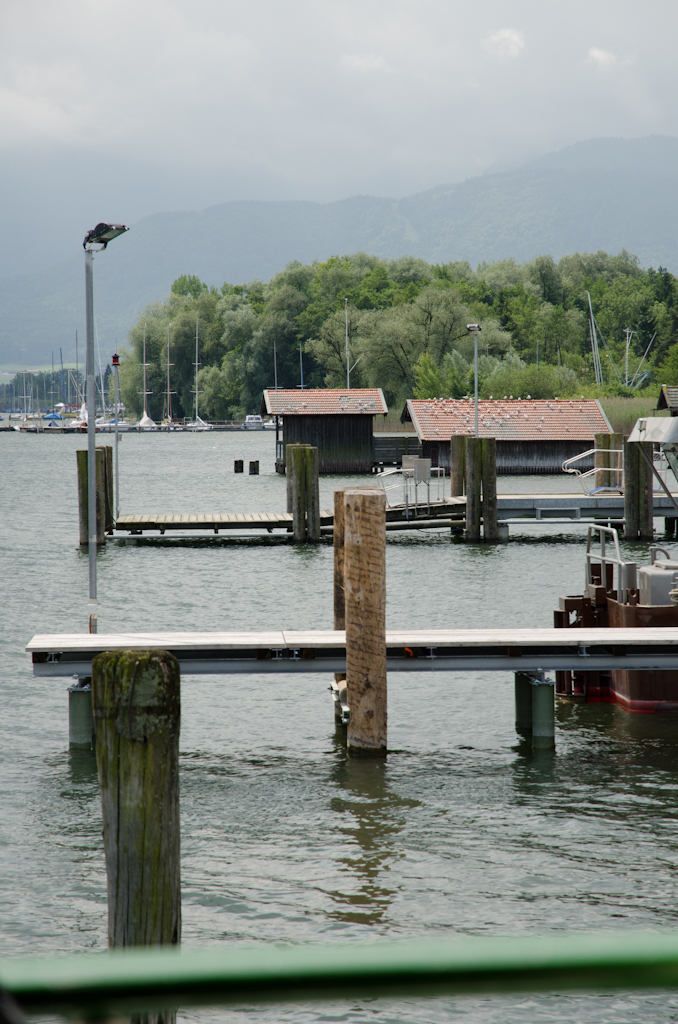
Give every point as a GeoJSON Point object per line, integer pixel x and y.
{"type": "Point", "coordinates": [668, 399]}
{"type": "Point", "coordinates": [337, 421]}
{"type": "Point", "coordinates": [533, 436]}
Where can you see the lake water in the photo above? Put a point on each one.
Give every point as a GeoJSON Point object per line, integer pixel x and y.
{"type": "Point", "coordinates": [285, 839]}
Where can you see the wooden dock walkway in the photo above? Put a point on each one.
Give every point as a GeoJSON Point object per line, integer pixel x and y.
{"type": "Point", "coordinates": [556, 508]}
{"type": "Point", "coordinates": [324, 651]}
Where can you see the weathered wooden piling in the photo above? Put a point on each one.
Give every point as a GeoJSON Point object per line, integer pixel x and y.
{"type": "Point", "coordinates": [339, 603]}
{"type": "Point", "coordinates": [254, 468]}
{"type": "Point", "coordinates": [457, 465]}
{"type": "Point", "coordinates": [312, 495]}
{"type": "Point", "coordinates": [473, 458]}
{"type": "Point", "coordinates": [239, 466]}
{"type": "Point", "coordinates": [638, 502]}
{"type": "Point", "coordinates": [80, 721]}
{"type": "Point", "coordinates": [489, 475]}
{"type": "Point", "coordinates": [608, 459]}
{"type": "Point", "coordinates": [543, 713]}
{"type": "Point", "coordinates": [136, 702]}
{"type": "Point", "coordinates": [298, 459]}
{"type": "Point", "coordinates": [523, 695]}
{"type": "Point", "coordinates": [289, 474]}
{"type": "Point", "coordinates": [365, 612]}
{"type": "Point", "coordinates": [104, 510]}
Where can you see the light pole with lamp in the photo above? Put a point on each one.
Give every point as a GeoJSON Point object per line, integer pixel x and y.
{"type": "Point", "coordinates": [95, 240]}
{"type": "Point", "coordinates": [476, 328]}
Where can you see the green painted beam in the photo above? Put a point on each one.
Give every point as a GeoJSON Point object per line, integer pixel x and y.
{"type": "Point", "coordinates": [138, 979]}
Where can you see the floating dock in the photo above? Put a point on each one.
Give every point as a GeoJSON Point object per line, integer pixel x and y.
{"type": "Point", "coordinates": [454, 650]}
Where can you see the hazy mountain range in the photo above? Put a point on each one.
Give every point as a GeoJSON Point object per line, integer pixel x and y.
{"type": "Point", "coordinates": [601, 194]}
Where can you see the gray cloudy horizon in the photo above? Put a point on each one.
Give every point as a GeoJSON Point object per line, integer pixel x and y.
{"type": "Point", "coordinates": [116, 110]}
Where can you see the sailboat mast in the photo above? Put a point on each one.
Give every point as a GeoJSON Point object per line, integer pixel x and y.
{"type": "Point", "coordinates": [196, 370]}
{"type": "Point", "coordinates": [169, 393]}
{"type": "Point", "coordinates": [145, 388]}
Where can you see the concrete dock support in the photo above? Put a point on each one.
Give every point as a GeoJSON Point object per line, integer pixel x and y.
{"type": "Point", "coordinates": [136, 703]}
{"type": "Point", "coordinates": [543, 713]}
{"type": "Point", "coordinates": [365, 610]}
{"type": "Point", "coordinates": [638, 504]}
{"type": "Point", "coordinates": [523, 691]}
{"type": "Point", "coordinates": [80, 721]}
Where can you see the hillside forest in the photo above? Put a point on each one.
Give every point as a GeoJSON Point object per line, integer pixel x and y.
{"type": "Point", "coordinates": [406, 322]}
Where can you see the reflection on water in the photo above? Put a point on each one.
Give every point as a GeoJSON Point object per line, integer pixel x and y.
{"type": "Point", "coordinates": [371, 818]}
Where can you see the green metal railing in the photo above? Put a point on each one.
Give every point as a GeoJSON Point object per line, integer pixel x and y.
{"type": "Point", "coordinates": [135, 980]}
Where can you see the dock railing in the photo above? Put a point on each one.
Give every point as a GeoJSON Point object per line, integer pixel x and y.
{"type": "Point", "coordinates": [141, 980]}
{"type": "Point", "coordinates": [626, 571]}
{"type": "Point", "coordinates": [402, 485]}
{"type": "Point", "coordinates": [613, 473]}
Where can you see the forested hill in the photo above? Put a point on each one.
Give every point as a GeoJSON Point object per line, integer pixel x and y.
{"type": "Point", "coordinates": [602, 194]}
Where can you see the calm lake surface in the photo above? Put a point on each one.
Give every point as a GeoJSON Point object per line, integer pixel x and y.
{"type": "Point", "coordinates": [285, 839]}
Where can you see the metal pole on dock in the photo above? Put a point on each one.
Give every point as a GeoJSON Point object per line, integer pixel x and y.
{"type": "Point", "coordinates": [91, 444]}
{"type": "Point", "coordinates": [136, 701]}
{"type": "Point", "coordinates": [365, 610]}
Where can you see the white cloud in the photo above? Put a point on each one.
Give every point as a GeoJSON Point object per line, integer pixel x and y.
{"type": "Point", "coordinates": [507, 42]}
{"type": "Point", "coordinates": [364, 62]}
{"type": "Point", "coordinates": [602, 58]}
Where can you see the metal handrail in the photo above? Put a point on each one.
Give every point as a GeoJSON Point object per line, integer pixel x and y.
{"type": "Point", "coordinates": [141, 980]}
{"type": "Point", "coordinates": [622, 571]}
{"type": "Point", "coordinates": [568, 467]}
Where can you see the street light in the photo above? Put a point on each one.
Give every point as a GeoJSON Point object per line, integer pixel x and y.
{"type": "Point", "coordinates": [476, 328]}
{"type": "Point", "coordinates": [95, 240]}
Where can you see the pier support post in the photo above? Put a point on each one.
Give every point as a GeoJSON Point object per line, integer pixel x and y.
{"type": "Point", "coordinates": [298, 459]}
{"type": "Point", "coordinates": [137, 714]}
{"type": "Point", "coordinates": [473, 485]}
{"type": "Point", "coordinates": [289, 474]}
{"type": "Point", "coordinates": [81, 456]}
{"type": "Point", "coordinates": [365, 610]}
{"type": "Point", "coordinates": [457, 465]}
{"type": "Point", "coordinates": [543, 714]}
{"type": "Point", "coordinates": [339, 605]}
{"type": "Point", "coordinates": [109, 493]}
{"type": "Point", "coordinates": [489, 473]}
{"type": "Point", "coordinates": [523, 688]}
{"type": "Point", "coordinates": [638, 504]}
{"type": "Point", "coordinates": [312, 494]}
{"type": "Point", "coordinates": [80, 721]}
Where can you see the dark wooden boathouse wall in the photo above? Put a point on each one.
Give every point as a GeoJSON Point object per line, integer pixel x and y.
{"type": "Point", "coordinates": [532, 458]}
{"type": "Point", "coordinates": [344, 443]}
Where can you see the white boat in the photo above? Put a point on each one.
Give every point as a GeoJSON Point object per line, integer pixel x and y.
{"type": "Point", "coordinates": [198, 424]}
{"type": "Point", "coordinates": [146, 423]}
{"type": "Point", "coordinates": [253, 423]}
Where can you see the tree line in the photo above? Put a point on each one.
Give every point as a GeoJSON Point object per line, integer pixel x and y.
{"type": "Point", "coordinates": [406, 324]}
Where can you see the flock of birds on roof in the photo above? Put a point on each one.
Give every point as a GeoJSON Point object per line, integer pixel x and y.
{"type": "Point", "coordinates": [459, 407]}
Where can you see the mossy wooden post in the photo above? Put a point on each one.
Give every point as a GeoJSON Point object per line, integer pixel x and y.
{"type": "Point", "coordinates": [136, 703]}
{"type": "Point", "coordinates": [645, 496]}
{"type": "Point", "coordinates": [312, 495]}
{"type": "Point", "coordinates": [339, 604]}
{"type": "Point", "coordinates": [601, 459]}
{"type": "Point", "coordinates": [365, 610]}
{"type": "Point", "coordinates": [81, 456]}
{"type": "Point", "coordinates": [289, 473]}
{"type": "Point", "coordinates": [109, 494]}
{"type": "Point", "coordinates": [457, 465]}
{"type": "Point", "coordinates": [489, 473]}
{"type": "Point", "coordinates": [299, 493]}
{"type": "Point", "coordinates": [473, 448]}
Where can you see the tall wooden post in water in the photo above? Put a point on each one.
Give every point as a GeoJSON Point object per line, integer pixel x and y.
{"type": "Point", "coordinates": [339, 603]}
{"type": "Point", "coordinates": [638, 502]}
{"type": "Point", "coordinates": [473, 486]}
{"type": "Point", "coordinates": [136, 703]}
{"type": "Point", "coordinates": [365, 610]}
{"type": "Point", "coordinates": [489, 473]}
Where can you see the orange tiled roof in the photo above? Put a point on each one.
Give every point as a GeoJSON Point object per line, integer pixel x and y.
{"type": "Point", "coordinates": [324, 402]}
{"type": "Point", "coordinates": [526, 419]}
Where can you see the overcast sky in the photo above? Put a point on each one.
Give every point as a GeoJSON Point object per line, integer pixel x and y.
{"type": "Point", "coordinates": [114, 109]}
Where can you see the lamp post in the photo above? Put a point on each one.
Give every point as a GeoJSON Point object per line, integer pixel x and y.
{"type": "Point", "coordinates": [95, 240]}
{"type": "Point", "coordinates": [476, 328]}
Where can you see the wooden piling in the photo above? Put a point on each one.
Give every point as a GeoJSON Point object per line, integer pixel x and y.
{"type": "Point", "coordinates": [136, 702]}
{"type": "Point", "coordinates": [365, 612]}
{"type": "Point", "coordinates": [457, 465]}
{"type": "Point", "coordinates": [339, 604]}
{"type": "Point", "coordinates": [489, 474]}
{"type": "Point", "coordinates": [298, 460]}
{"type": "Point", "coordinates": [312, 495]}
{"type": "Point", "coordinates": [473, 453]}
{"type": "Point", "coordinates": [81, 457]}
{"type": "Point", "coordinates": [109, 492]}
{"type": "Point", "coordinates": [289, 473]}
{"type": "Point", "coordinates": [638, 505]}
